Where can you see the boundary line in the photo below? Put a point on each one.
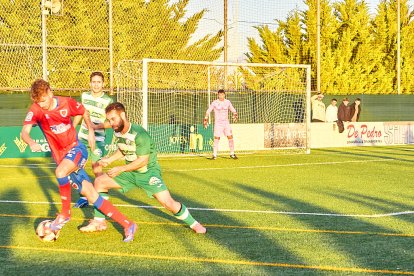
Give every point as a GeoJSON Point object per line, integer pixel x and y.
{"type": "Point", "coordinates": [210, 260]}
{"type": "Point", "coordinates": [291, 213]}
{"type": "Point", "coordinates": [39, 166]}
{"type": "Point", "coordinates": [282, 165]}
{"type": "Point", "coordinates": [266, 228]}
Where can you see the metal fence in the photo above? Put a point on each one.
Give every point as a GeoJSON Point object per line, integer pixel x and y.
{"type": "Point", "coordinates": [354, 46]}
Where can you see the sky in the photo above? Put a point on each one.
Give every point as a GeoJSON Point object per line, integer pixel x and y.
{"type": "Point", "coordinates": [243, 15]}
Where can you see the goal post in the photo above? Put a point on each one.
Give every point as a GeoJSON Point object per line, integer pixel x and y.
{"type": "Point", "coordinates": [170, 97]}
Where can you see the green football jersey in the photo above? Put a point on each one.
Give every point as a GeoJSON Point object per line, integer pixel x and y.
{"type": "Point", "coordinates": [137, 142]}
{"type": "Point", "coordinates": [96, 108]}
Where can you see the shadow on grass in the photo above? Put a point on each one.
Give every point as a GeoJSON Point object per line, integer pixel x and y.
{"type": "Point", "coordinates": [247, 243]}
{"type": "Point", "coordinates": [368, 152]}
{"type": "Point", "coordinates": [368, 251]}
{"type": "Point", "coordinates": [46, 180]}
{"type": "Point", "coordinates": [7, 230]}
{"type": "Point", "coordinates": [373, 202]}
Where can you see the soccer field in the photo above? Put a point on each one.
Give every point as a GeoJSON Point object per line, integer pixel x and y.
{"type": "Point", "coordinates": [333, 212]}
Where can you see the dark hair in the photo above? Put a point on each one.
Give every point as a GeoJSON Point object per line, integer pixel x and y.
{"type": "Point", "coordinates": [96, 74]}
{"type": "Point", "coordinates": [334, 100]}
{"type": "Point", "coordinates": [345, 99]}
{"type": "Point", "coordinates": [357, 99]}
{"type": "Point", "coordinates": [39, 88]}
{"type": "Point", "coordinates": [115, 106]}
{"type": "Point", "coordinates": [221, 91]}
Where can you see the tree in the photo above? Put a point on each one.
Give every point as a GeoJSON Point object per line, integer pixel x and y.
{"type": "Point", "coordinates": [385, 33]}
{"type": "Point", "coordinates": [78, 39]}
{"type": "Point", "coordinates": [158, 29]}
{"type": "Point", "coordinates": [358, 53]}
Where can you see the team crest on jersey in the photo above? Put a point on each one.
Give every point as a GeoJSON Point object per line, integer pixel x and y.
{"type": "Point", "coordinates": [154, 181]}
{"type": "Point", "coordinates": [63, 112]}
{"type": "Point", "coordinates": [29, 116]}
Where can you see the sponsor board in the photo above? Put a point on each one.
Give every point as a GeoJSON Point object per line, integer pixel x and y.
{"type": "Point", "coordinates": [362, 134]}
{"type": "Point", "coordinates": [196, 139]}
{"type": "Point", "coordinates": [12, 145]}
{"type": "Point", "coordinates": [182, 138]}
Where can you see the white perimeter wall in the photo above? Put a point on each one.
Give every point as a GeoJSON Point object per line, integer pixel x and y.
{"type": "Point", "coordinates": [258, 136]}
{"type": "Point", "coordinates": [362, 134]}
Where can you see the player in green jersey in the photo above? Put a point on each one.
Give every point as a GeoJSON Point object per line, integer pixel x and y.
{"type": "Point", "coordinates": [141, 170]}
{"type": "Point", "coordinates": [95, 101]}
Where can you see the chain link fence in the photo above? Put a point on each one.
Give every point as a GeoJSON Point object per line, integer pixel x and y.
{"type": "Point", "coordinates": [361, 48]}
{"type": "Point", "coordinates": [76, 42]}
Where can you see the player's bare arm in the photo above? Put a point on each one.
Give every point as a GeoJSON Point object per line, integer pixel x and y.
{"type": "Point", "coordinates": [138, 164]}
{"type": "Point", "coordinates": [103, 125]}
{"type": "Point", "coordinates": [91, 132]}
{"type": "Point", "coordinates": [235, 117]}
{"type": "Point", "coordinates": [35, 147]}
{"type": "Point", "coordinates": [104, 162]}
{"type": "Point", "coordinates": [76, 120]}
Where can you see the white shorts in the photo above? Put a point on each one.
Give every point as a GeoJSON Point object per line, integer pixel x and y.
{"type": "Point", "coordinates": [221, 129]}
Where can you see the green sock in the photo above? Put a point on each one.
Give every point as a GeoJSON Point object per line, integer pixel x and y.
{"type": "Point", "coordinates": [97, 213]}
{"type": "Point", "coordinates": [185, 216]}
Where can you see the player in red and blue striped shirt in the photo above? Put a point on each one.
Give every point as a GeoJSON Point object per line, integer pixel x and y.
{"type": "Point", "coordinates": [53, 115]}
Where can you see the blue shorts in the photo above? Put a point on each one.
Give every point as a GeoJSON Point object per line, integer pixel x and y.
{"type": "Point", "coordinates": [78, 155]}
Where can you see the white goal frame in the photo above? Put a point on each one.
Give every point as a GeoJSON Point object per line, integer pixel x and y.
{"type": "Point", "coordinates": [145, 85]}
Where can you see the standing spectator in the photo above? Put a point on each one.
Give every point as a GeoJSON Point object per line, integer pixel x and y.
{"type": "Point", "coordinates": [332, 112]}
{"type": "Point", "coordinates": [344, 114]}
{"type": "Point", "coordinates": [318, 108]}
{"type": "Point", "coordinates": [355, 110]}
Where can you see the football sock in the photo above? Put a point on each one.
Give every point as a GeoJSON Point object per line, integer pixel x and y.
{"type": "Point", "coordinates": [107, 208]}
{"type": "Point", "coordinates": [215, 147]}
{"type": "Point", "coordinates": [185, 216]}
{"type": "Point", "coordinates": [98, 214]}
{"type": "Point", "coordinates": [65, 195]}
{"type": "Point", "coordinates": [231, 146]}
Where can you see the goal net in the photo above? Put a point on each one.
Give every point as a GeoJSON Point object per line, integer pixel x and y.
{"type": "Point", "coordinates": [170, 97]}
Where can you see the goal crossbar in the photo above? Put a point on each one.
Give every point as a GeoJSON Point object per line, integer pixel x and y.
{"type": "Point", "coordinates": [162, 85]}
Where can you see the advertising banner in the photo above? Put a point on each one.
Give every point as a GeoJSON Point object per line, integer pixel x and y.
{"type": "Point", "coordinates": [196, 139]}
{"type": "Point", "coordinates": [362, 134]}
{"type": "Point", "coordinates": [12, 145]}
{"type": "Point", "coordinates": [182, 138]}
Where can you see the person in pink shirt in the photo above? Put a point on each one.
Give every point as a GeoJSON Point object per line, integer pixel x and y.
{"type": "Point", "coordinates": [221, 108]}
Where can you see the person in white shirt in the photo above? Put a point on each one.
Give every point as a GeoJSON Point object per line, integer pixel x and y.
{"type": "Point", "coordinates": [332, 112]}
{"type": "Point", "coordinates": [318, 108]}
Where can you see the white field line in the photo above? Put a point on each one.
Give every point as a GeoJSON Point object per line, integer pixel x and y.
{"type": "Point", "coordinates": [29, 166]}
{"type": "Point", "coordinates": [35, 166]}
{"type": "Point", "coordinates": [283, 165]}
{"type": "Point", "coordinates": [290, 213]}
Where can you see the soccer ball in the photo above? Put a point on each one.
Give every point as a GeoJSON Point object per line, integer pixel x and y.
{"type": "Point", "coordinates": [44, 232]}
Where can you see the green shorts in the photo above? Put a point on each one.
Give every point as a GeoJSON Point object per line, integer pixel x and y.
{"type": "Point", "coordinates": [151, 181]}
{"type": "Point", "coordinates": [100, 150]}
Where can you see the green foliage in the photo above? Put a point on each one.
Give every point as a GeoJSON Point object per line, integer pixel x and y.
{"type": "Point", "coordinates": [358, 52]}
{"type": "Point", "coordinates": [158, 29]}
{"type": "Point", "coordinates": [78, 38]}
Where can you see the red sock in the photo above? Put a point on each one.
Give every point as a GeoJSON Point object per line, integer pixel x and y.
{"type": "Point", "coordinates": [108, 209]}
{"type": "Point", "coordinates": [65, 196]}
